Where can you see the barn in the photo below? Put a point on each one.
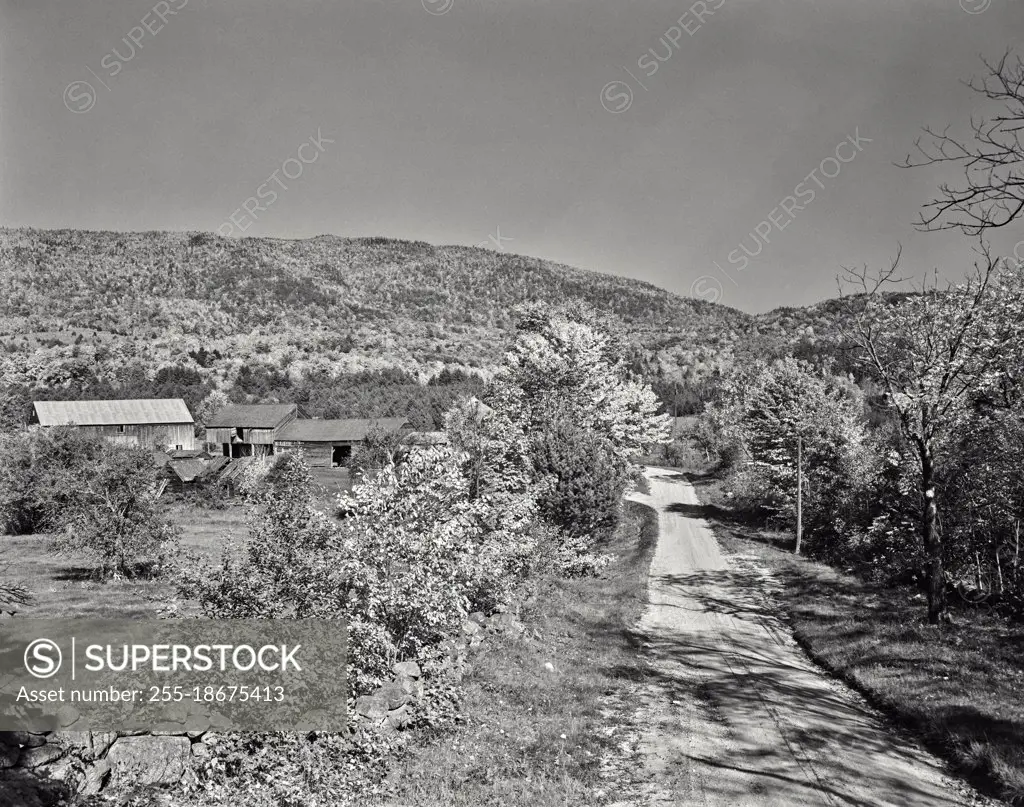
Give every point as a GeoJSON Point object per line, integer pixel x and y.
{"type": "Point", "coordinates": [249, 430]}
{"type": "Point", "coordinates": [144, 422]}
{"type": "Point", "coordinates": [330, 443]}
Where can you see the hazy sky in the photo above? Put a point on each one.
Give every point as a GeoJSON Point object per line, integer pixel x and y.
{"type": "Point", "coordinates": [444, 120]}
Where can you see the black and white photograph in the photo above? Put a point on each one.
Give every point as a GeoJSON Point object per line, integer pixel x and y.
{"type": "Point", "coordinates": [537, 403]}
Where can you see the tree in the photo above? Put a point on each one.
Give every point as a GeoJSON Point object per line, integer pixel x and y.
{"type": "Point", "coordinates": [115, 514]}
{"type": "Point", "coordinates": [991, 193]}
{"type": "Point", "coordinates": [767, 415]}
{"type": "Point", "coordinates": [933, 353]}
{"type": "Point", "coordinates": [39, 474]}
{"type": "Point", "coordinates": [566, 358]}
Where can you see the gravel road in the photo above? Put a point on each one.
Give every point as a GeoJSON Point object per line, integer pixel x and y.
{"type": "Point", "coordinates": [734, 714]}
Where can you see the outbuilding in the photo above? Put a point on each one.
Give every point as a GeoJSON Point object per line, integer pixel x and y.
{"type": "Point", "coordinates": [331, 443]}
{"type": "Point", "coordinates": [153, 423]}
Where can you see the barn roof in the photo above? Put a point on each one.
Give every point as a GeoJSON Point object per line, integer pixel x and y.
{"type": "Point", "coordinates": [345, 430]}
{"type": "Point", "coordinates": [142, 411]}
{"type": "Point", "coordinates": [187, 470]}
{"type": "Point", "coordinates": [251, 416]}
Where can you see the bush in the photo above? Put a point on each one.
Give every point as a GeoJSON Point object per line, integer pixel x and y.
{"type": "Point", "coordinates": [40, 475]}
{"type": "Point", "coordinates": [588, 480]}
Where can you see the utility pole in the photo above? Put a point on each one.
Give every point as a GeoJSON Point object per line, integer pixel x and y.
{"type": "Point", "coordinates": [799, 491]}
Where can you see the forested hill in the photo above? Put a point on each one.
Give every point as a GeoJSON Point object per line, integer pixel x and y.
{"type": "Point", "coordinates": [72, 298]}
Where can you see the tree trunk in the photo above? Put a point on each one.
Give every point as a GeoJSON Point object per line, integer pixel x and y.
{"type": "Point", "coordinates": [799, 493]}
{"type": "Point", "coordinates": [931, 538]}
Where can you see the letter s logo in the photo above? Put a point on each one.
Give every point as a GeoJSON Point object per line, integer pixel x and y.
{"type": "Point", "coordinates": [43, 658]}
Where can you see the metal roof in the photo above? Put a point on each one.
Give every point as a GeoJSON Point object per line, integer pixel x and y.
{"type": "Point", "coordinates": [142, 411]}
{"type": "Point", "coordinates": [187, 470]}
{"type": "Point", "coordinates": [331, 431]}
{"type": "Point", "coordinates": [251, 416]}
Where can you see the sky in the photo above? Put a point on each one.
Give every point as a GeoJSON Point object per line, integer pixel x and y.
{"type": "Point", "coordinates": [647, 140]}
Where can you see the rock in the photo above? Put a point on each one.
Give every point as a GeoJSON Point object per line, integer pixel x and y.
{"type": "Point", "coordinates": [42, 755]}
{"type": "Point", "coordinates": [394, 695]}
{"type": "Point", "coordinates": [407, 669]}
{"type": "Point", "coordinates": [372, 707]}
{"type": "Point", "coordinates": [14, 738]}
{"type": "Point", "coordinates": [63, 770]}
{"type": "Point", "coordinates": [549, 666]}
{"type": "Point", "coordinates": [67, 715]}
{"type": "Point", "coordinates": [478, 617]}
{"type": "Point", "coordinates": [200, 750]}
{"type": "Point", "coordinates": [508, 622]}
{"type": "Point", "coordinates": [401, 717]}
{"type": "Point", "coordinates": [101, 742]}
{"type": "Point", "coordinates": [77, 740]}
{"type": "Point", "coordinates": [95, 777]}
{"type": "Point", "coordinates": [149, 760]}
{"type": "Point", "coordinates": [413, 688]}
{"type": "Point", "coordinates": [470, 628]}
{"type": "Point", "coordinates": [195, 735]}
{"type": "Point", "coordinates": [9, 755]}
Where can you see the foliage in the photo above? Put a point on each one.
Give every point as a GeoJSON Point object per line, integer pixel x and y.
{"type": "Point", "coordinates": [410, 560]}
{"type": "Point", "coordinates": [934, 356]}
{"type": "Point", "coordinates": [584, 415]}
{"type": "Point", "coordinates": [40, 477]}
{"type": "Point", "coordinates": [589, 479]}
{"type": "Point", "coordinates": [115, 514]}
{"type": "Point", "coordinates": [762, 413]}
{"type": "Point", "coordinates": [378, 449]}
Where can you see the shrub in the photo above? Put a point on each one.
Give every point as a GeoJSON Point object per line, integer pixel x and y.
{"type": "Point", "coordinates": [588, 479]}
{"type": "Point", "coordinates": [40, 475]}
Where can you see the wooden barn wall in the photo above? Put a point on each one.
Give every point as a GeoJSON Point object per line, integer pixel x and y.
{"type": "Point", "coordinates": [255, 436]}
{"type": "Point", "coordinates": [147, 435]}
{"type": "Point", "coordinates": [317, 455]}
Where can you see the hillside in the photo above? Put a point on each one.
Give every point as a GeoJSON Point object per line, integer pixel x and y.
{"type": "Point", "coordinates": [92, 303]}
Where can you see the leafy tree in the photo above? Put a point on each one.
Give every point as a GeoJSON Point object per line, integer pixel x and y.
{"type": "Point", "coordinates": [378, 449]}
{"type": "Point", "coordinates": [565, 357]}
{"type": "Point", "coordinates": [933, 353]}
{"type": "Point", "coordinates": [40, 470]}
{"type": "Point", "coordinates": [588, 477]}
{"type": "Point", "coordinates": [115, 514]}
{"type": "Point", "coordinates": [766, 414]}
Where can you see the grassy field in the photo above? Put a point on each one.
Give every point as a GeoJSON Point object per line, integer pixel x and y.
{"type": "Point", "coordinates": [65, 585]}
{"type": "Point", "coordinates": [960, 687]}
{"type": "Point", "coordinates": [535, 737]}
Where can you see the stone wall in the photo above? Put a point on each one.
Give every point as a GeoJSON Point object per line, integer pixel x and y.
{"type": "Point", "coordinates": [87, 762]}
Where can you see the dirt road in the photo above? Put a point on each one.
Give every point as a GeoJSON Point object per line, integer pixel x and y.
{"type": "Point", "coordinates": [734, 714]}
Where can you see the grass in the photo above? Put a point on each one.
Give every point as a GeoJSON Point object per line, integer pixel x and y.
{"type": "Point", "coordinates": [535, 737]}
{"type": "Point", "coordinates": [65, 585]}
{"type": "Point", "coordinates": [958, 687]}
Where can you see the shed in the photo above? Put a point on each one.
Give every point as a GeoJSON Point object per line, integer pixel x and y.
{"type": "Point", "coordinates": [331, 443]}
{"type": "Point", "coordinates": [248, 430]}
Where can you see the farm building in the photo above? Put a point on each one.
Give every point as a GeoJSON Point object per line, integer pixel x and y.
{"type": "Point", "coordinates": [147, 423]}
{"type": "Point", "coordinates": [330, 443]}
{"type": "Point", "coordinates": [249, 430]}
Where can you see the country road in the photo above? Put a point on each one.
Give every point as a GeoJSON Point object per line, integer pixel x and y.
{"type": "Point", "coordinates": [733, 713]}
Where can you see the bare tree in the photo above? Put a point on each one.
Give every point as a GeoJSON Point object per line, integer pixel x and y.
{"type": "Point", "coordinates": [991, 193]}
{"type": "Point", "coordinates": [933, 352]}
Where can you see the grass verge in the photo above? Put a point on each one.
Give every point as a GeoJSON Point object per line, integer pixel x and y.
{"type": "Point", "coordinates": [65, 585]}
{"type": "Point", "coordinates": [959, 687]}
{"type": "Point", "coordinates": [535, 736]}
